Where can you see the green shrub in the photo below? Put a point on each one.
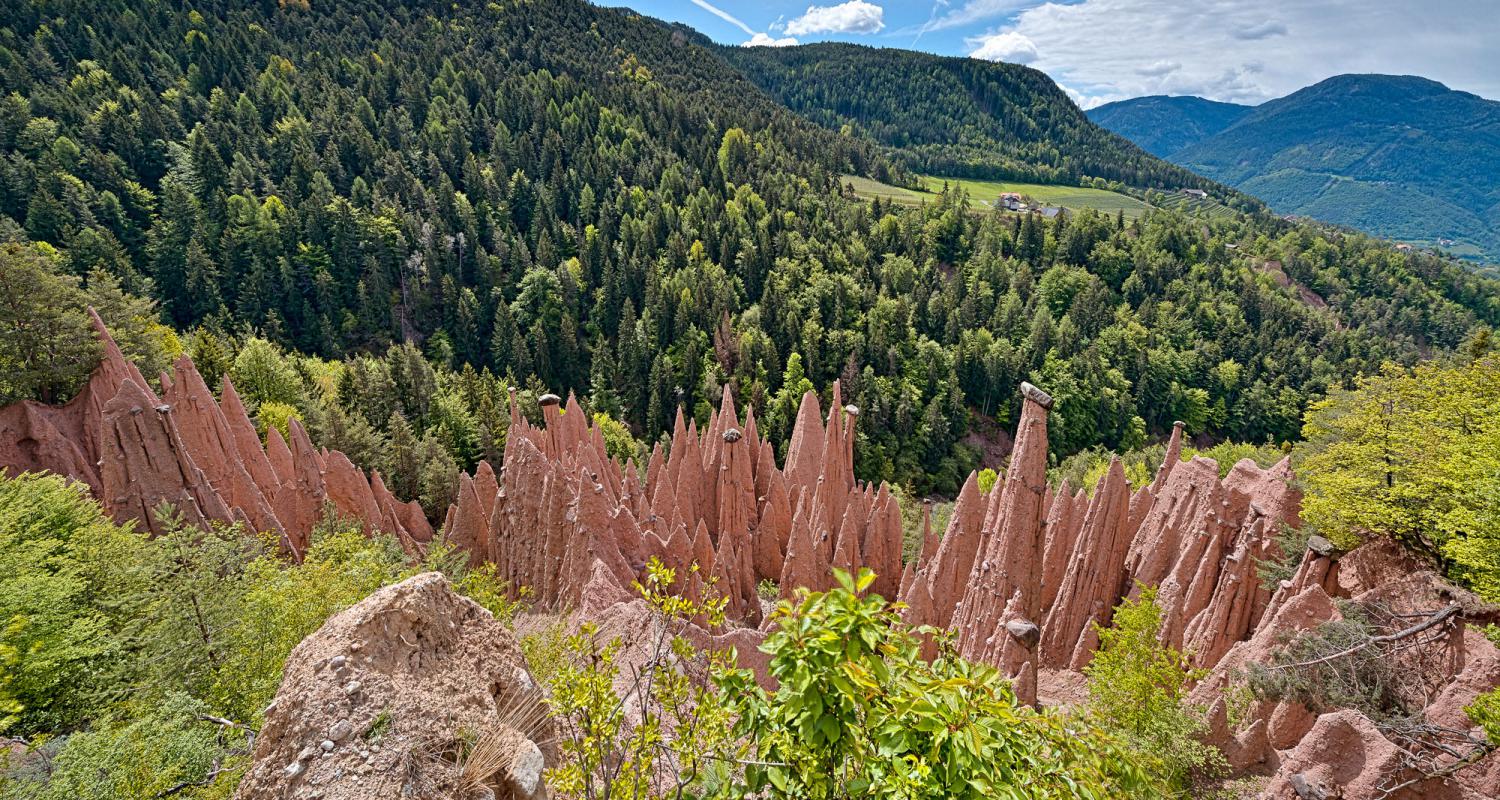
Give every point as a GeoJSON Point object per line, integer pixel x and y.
{"type": "Point", "coordinates": [1137, 688]}
{"type": "Point", "coordinates": [1485, 711]}
{"type": "Point", "coordinates": [69, 585]}
{"type": "Point", "coordinates": [859, 713]}
{"type": "Point", "coordinates": [147, 756]}
{"type": "Point", "coordinates": [118, 645]}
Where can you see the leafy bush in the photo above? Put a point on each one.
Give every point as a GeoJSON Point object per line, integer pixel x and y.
{"type": "Point", "coordinates": [69, 583]}
{"type": "Point", "coordinates": [1137, 688]}
{"type": "Point", "coordinates": [683, 725]}
{"type": "Point", "coordinates": [1485, 711]}
{"type": "Point", "coordinates": [117, 647]}
{"type": "Point", "coordinates": [1085, 468]}
{"type": "Point", "coordinates": [859, 713]}
{"type": "Point", "coordinates": [170, 749]}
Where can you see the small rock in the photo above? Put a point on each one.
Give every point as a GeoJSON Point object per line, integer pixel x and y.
{"type": "Point", "coordinates": [327, 746]}
{"type": "Point", "coordinates": [1305, 789]}
{"type": "Point", "coordinates": [353, 687]}
{"type": "Point", "coordinates": [340, 730]}
{"type": "Point", "coordinates": [1320, 545]}
{"type": "Point", "coordinates": [293, 770]}
{"type": "Point", "coordinates": [524, 775]}
{"type": "Point", "coordinates": [337, 662]}
{"type": "Point", "coordinates": [1024, 631]}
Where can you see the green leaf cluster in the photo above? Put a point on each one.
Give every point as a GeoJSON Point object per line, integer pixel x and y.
{"type": "Point", "coordinates": [858, 712]}
{"type": "Point", "coordinates": [1414, 455]}
{"type": "Point", "coordinates": [1138, 687]}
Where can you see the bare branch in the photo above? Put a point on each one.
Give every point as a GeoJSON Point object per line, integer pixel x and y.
{"type": "Point", "coordinates": [1432, 621]}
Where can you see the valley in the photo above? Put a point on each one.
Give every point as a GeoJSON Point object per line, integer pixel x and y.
{"type": "Point", "coordinates": [535, 399]}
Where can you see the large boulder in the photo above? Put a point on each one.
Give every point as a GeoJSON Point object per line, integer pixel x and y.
{"type": "Point", "coordinates": [390, 696]}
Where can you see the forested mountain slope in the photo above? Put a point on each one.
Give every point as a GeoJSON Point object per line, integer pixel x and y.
{"type": "Point", "coordinates": [1397, 156]}
{"type": "Point", "coordinates": [959, 117]}
{"type": "Point", "coordinates": [1163, 125]}
{"type": "Point", "coordinates": [565, 197]}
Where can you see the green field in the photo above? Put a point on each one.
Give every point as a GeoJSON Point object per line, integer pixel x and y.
{"type": "Point", "coordinates": [984, 193]}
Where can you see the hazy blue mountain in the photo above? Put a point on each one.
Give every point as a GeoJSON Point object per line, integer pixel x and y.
{"type": "Point", "coordinates": [1398, 156]}
{"type": "Point", "coordinates": [1163, 125]}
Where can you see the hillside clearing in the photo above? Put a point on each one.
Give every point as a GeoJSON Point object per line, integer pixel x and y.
{"type": "Point", "coordinates": [984, 193]}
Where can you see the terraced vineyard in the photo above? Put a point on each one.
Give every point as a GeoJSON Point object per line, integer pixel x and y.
{"type": "Point", "coordinates": [1208, 207]}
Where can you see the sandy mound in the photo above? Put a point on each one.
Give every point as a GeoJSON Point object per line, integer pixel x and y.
{"type": "Point", "coordinates": [388, 697]}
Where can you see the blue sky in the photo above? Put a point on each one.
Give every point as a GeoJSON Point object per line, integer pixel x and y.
{"type": "Point", "coordinates": [1245, 51]}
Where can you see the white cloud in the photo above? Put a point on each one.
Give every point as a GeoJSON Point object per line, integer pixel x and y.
{"type": "Point", "coordinates": [854, 16]}
{"type": "Point", "coordinates": [764, 40]}
{"type": "Point", "coordinates": [1158, 69]}
{"type": "Point", "coordinates": [1008, 46]}
{"type": "Point", "coordinates": [1247, 51]}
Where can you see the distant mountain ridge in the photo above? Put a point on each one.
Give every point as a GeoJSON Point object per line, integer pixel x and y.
{"type": "Point", "coordinates": [1163, 125]}
{"type": "Point", "coordinates": [1398, 156]}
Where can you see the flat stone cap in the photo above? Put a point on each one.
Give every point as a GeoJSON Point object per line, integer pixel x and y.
{"type": "Point", "coordinates": [1036, 395]}
{"type": "Point", "coordinates": [549, 399]}
{"type": "Point", "coordinates": [1320, 545]}
{"type": "Point", "coordinates": [852, 410]}
{"type": "Point", "coordinates": [732, 435]}
{"type": "Point", "coordinates": [1024, 631]}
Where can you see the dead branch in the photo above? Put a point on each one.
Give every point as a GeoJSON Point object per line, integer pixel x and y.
{"type": "Point", "coordinates": [1432, 621]}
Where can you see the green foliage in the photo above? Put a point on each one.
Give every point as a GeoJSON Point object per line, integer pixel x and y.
{"type": "Point", "coordinates": [262, 373]}
{"type": "Point", "coordinates": [859, 713]}
{"type": "Point", "coordinates": [68, 589]}
{"type": "Point", "coordinates": [272, 414]}
{"type": "Point", "coordinates": [1084, 469]}
{"type": "Point", "coordinates": [683, 724]}
{"type": "Point", "coordinates": [481, 583]}
{"type": "Point", "coordinates": [167, 747]}
{"type": "Point", "coordinates": [1413, 455]}
{"type": "Point", "coordinates": [1138, 688]}
{"type": "Point", "coordinates": [1282, 561]}
{"type": "Point", "coordinates": [46, 350]}
{"type": "Point", "coordinates": [282, 603]}
{"type": "Point", "coordinates": [618, 442]}
{"type": "Point", "coordinates": [120, 644]}
{"type": "Point", "coordinates": [1367, 679]}
{"type": "Point", "coordinates": [1485, 712]}
{"type": "Point", "coordinates": [987, 479]}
